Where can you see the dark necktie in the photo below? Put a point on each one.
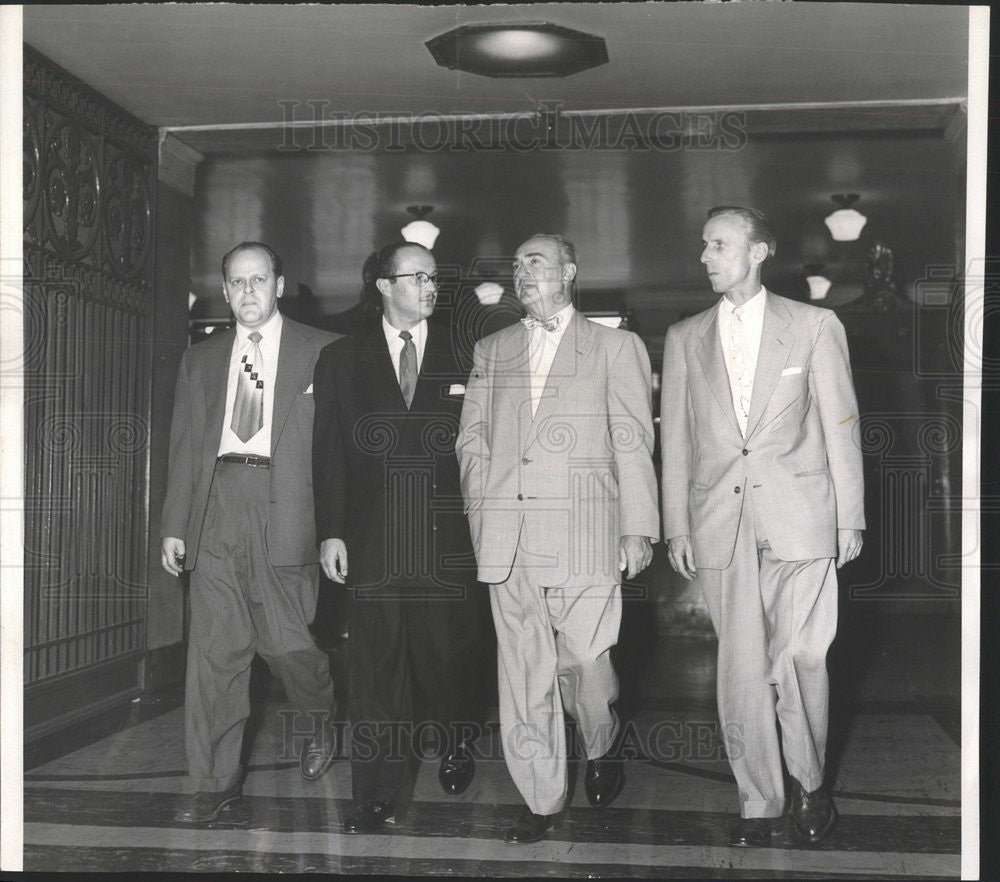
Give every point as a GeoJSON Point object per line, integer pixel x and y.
{"type": "Point", "coordinates": [248, 411]}
{"type": "Point", "coordinates": [407, 367]}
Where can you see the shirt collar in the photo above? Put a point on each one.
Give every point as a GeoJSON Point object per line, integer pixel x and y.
{"type": "Point", "coordinates": [268, 331]}
{"type": "Point", "coordinates": [755, 305]}
{"type": "Point", "coordinates": [419, 330]}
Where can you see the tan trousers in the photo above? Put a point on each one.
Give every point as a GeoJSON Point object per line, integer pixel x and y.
{"type": "Point", "coordinates": [775, 620]}
{"type": "Point", "coordinates": [553, 650]}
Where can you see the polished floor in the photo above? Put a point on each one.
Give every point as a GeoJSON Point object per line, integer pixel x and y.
{"type": "Point", "coordinates": [894, 765]}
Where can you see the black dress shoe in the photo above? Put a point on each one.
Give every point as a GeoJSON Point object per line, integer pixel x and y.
{"type": "Point", "coordinates": [318, 755]}
{"type": "Point", "coordinates": [603, 781]}
{"type": "Point", "coordinates": [369, 818]}
{"type": "Point", "coordinates": [751, 833]}
{"type": "Point", "coordinates": [456, 771]}
{"type": "Point", "coordinates": [529, 827]}
{"type": "Point", "coordinates": [205, 806]}
{"type": "Point", "coordinates": [813, 814]}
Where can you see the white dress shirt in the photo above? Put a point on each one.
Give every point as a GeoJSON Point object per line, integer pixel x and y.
{"type": "Point", "coordinates": [542, 346]}
{"type": "Point", "coordinates": [753, 325]}
{"type": "Point", "coordinates": [396, 343]}
{"type": "Point", "coordinates": [270, 343]}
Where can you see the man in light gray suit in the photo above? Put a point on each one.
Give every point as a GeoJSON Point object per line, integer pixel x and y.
{"type": "Point", "coordinates": [762, 495]}
{"type": "Point", "coordinates": [555, 452]}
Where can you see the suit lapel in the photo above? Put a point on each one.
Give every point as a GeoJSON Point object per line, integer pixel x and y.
{"type": "Point", "coordinates": [713, 363]}
{"type": "Point", "coordinates": [216, 387]}
{"type": "Point", "coordinates": [573, 349]}
{"type": "Point", "coordinates": [771, 360]}
{"type": "Point", "coordinates": [381, 374]}
{"type": "Point", "coordinates": [294, 363]}
{"type": "Point", "coordinates": [435, 370]}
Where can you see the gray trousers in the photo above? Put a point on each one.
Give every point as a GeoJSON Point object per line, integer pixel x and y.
{"type": "Point", "coordinates": [775, 620]}
{"type": "Point", "coordinates": [241, 605]}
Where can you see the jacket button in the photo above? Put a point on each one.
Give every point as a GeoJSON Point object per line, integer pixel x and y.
{"type": "Point", "coordinates": [746, 452]}
{"type": "Point", "coordinates": [525, 460]}
{"type": "Point", "coordinates": [519, 497]}
{"type": "Point", "coordinates": [736, 489]}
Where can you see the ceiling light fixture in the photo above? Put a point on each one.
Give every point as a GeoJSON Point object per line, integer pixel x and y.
{"type": "Point", "coordinates": [420, 231]}
{"type": "Point", "coordinates": [489, 293]}
{"type": "Point", "coordinates": [818, 284]}
{"type": "Point", "coordinates": [526, 49]}
{"type": "Point", "coordinates": [845, 224]}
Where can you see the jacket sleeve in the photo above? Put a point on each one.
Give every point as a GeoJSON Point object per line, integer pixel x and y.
{"type": "Point", "coordinates": [472, 446]}
{"type": "Point", "coordinates": [328, 456]}
{"type": "Point", "coordinates": [181, 465]}
{"type": "Point", "coordinates": [630, 424]}
{"type": "Point", "coordinates": [675, 438]}
{"type": "Point", "coordinates": [833, 388]}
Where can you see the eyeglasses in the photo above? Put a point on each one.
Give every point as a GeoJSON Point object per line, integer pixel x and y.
{"type": "Point", "coordinates": [420, 278]}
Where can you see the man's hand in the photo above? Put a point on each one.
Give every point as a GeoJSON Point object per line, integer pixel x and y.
{"type": "Point", "coordinates": [333, 559]}
{"type": "Point", "coordinates": [634, 553]}
{"type": "Point", "coordinates": [172, 555]}
{"type": "Point", "coordinates": [680, 552]}
{"type": "Point", "coordinates": [849, 544]}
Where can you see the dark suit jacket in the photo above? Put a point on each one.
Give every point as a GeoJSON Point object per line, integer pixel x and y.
{"type": "Point", "coordinates": [196, 431]}
{"type": "Point", "coordinates": [386, 478]}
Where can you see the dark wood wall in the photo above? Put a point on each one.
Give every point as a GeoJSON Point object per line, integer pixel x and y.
{"type": "Point", "coordinates": [89, 206]}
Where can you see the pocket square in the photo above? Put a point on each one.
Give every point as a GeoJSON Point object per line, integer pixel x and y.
{"type": "Point", "coordinates": [788, 372]}
{"type": "Point", "coordinates": [309, 391]}
{"type": "Point", "coordinates": [456, 389]}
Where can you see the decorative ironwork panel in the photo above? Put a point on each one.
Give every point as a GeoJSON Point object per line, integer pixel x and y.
{"type": "Point", "coordinates": [89, 184]}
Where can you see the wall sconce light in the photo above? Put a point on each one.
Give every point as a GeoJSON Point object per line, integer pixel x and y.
{"type": "Point", "coordinates": [818, 284]}
{"type": "Point", "coordinates": [845, 224]}
{"type": "Point", "coordinates": [420, 231]}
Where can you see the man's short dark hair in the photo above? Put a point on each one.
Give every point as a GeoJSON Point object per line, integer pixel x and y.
{"type": "Point", "coordinates": [758, 227]}
{"type": "Point", "coordinates": [273, 256]}
{"type": "Point", "coordinates": [381, 264]}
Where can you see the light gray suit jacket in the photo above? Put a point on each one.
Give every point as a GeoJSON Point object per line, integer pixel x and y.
{"type": "Point", "coordinates": [578, 475]}
{"type": "Point", "coordinates": [801, 457]}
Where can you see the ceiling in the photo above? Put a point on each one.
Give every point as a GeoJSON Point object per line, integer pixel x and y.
{"type": "Point", "coordinates": [835, 97]}
{"type": "Point", "coordinates": [218, 64]}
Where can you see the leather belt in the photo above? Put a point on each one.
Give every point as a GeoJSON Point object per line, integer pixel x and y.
{"type": "Point", "coordinates": [249, 459]}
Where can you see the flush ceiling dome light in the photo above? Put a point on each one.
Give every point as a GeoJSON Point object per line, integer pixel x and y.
{"type": "Point", "coordinates": [846, 224]}
{"type": "Point", "coordinates": [526, 49]}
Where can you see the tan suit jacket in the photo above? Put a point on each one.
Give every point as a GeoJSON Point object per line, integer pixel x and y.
{"type": "Point", "coordinates": [196, 432]}
{"type": "Point", "coordinates": [801, 456]}
{"type": "Point", "coordinates": [575, 477]}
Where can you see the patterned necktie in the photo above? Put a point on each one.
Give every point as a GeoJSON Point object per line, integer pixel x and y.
{"type": "Point", "coordinates": [407, 367]}
{"type": "Point", "coordinates": [248, 411]}
{"type": "Point", "coordinates": [551, 324]}
{"type": "Point", "coordinates": [740, 354]}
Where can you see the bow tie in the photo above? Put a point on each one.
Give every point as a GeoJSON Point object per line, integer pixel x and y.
{"type": "Point", "coordinates": [551, 324]}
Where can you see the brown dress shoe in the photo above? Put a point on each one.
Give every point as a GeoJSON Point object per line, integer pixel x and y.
{"type": "Point", "coordinates": [204, 806]}
{"type": "Point", "coordinates": [813, 814]}
{"type": "Point", "coordinates": [456, 771]}
{"type": "Point", "coordinates": [318, 755]}
{"type": "Point", "coordinates": [751, 833]}
{"type": "Point", "coordinates": [529, 827]}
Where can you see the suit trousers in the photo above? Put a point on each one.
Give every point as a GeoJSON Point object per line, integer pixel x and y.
{"type": "Point", "coordinates": [407, 660]}
{"type": "Point", "coordinates": [241, 604]}
{"type": "Point", "coordinates": [775, 620]}
{"type": "Point", "coordinates": [553, 650]}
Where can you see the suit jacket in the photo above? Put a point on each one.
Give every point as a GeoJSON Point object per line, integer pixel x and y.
{"type": "Point", "coordinates": [386, 478]}
{"type": "Point", "coordinates": [578, 475]}
{"type": "Point", "coordinates": [801, 456]}
{"type": "Point", "coordinates": [196, 431]}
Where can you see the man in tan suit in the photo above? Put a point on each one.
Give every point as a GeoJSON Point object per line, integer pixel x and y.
{"type": "Point", "coordinates": [555, 456]}
{"type": "Point", "coordinates": [762, 495]}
